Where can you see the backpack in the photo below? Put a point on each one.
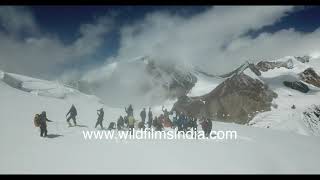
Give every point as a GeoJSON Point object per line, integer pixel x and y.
{"type": "Point", "coordinates": [36, 120]}
{"type": "Point", "coordinates": [131, 120]}
{"type": "Point", "coordinates": [141, 125]}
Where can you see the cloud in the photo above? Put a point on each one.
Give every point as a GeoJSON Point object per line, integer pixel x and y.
{"type": "Point", "coordinates": [17, 19]}
{"type": "Point", "coordinates": [216, 40]}
{"type": "Point", "coordinates": [92, 35]}
{"type": "Point", "coordinates": [202, 39]}
{"type": "Point", "coordinates": [286, 42]}
{"type": "Point", "coordinates": [40, 54]}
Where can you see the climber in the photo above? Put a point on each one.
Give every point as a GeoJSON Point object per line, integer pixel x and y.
{"type": "Point", "coordinates": [43, 124]}
{"type": "Point", "coordinates": [120, 123]}
{"type": "Point", "coordinates": [129, 110]}
{"type": "Point", "coordinates": [73, 114]}
{"type": "Point", "coordinates": [150, 118]}
{"type": "Point", "coordinates": [100, 114]}
{"type": "Point", "coordinates": [143, 115]}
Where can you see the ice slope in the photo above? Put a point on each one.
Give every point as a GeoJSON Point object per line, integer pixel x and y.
{"type": "Point", "coordinates": [256, 150]}
{"type": "Point", "coordinates": [204, 84]}
{"type": "Point", "coordinates": [283, 117]}
{"type": "Point", "coordinates": [40, 87]}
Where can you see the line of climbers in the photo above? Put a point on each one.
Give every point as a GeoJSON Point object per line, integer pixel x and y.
{"type": "Point", "coordinates": [40, 120]}
{"type": "Point", "coordinates": [181, 121]}
{"type": "Point", "coordinates": [166, 119]}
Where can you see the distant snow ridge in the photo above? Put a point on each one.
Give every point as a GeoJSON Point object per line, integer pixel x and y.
{"type": "Point", "coordinates": [303, 59]}
{"type": "Point", "coordinates": [242, 68]}
{"type": "Point", "coordinates": [269, 65]}
{"type": "Point", "coordinates": [36, 86]}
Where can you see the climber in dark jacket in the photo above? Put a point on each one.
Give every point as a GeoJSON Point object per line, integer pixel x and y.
{"type": "Point", "coordinates": [143, 115]}
{"type": "Point", "coordinates": [165, 112]}
{"type": "Point", "coordinates": [185, 123]}
{"type": "Point", "coordinates": [180, 122]}
{"type": "Point", "coordinates": [120, 123]}
{"type": "Point", "coordinates": [158, 124]}
{"type": "Point", "coordinates": [43, 124]}
{"type": "Point", "coordinates": [209, 126]}
{"type": "Point", "coordinates": [129, 110]}
{"type": "Point", "coordinates": [205, 125]}
{"type": "Point", "coordinates": [73, 114]}
{"type": "Point", "coordinates": [100, 114]}
{"type": "Point", "coordinates": [194, 125]}
{"type": "Point", "coordinates": [150, 118]}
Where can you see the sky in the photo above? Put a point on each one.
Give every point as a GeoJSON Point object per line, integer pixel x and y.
{"type": "Point", "coordinates": [54, 42]}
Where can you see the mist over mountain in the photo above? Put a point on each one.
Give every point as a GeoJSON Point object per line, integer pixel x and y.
{"type": "Point", "coordinates": [144, 80]}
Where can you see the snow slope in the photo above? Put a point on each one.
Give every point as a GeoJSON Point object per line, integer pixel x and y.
{"type": "Point", "coordinates": [283, 117]}
{"type": "Point", "coordinates": [204, 84]}
{"type": "Point", "coordinates": [256, 150]}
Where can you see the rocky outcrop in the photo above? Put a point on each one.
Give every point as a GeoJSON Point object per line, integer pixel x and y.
{"type": "Point", "coordinates": [254, 69]}
{"type": "Point", "coordinates": [237, 100]}
{"type": "Point", "coordinates": [240, 69]}
{"type": "Point", "coordinates": [303, 59]}
{"type": "Point", "coordinates": [14, 82]}
{"type": "Point", "coordinates": [311, 77]}
{"type": "Point", "coordinates": [297, 85]}
{"type": "Point", "coordinates": [175, 80]}
{"type": "Point", "coordinates": [11, 81]}
{"type": "Point", "coordinates": [267, 65]}
{"type": "Point", "coordinates": [311, 118]}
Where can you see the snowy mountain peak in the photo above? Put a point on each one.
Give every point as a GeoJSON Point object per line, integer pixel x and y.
{"type": "Point", "coordinates": [262, 84]}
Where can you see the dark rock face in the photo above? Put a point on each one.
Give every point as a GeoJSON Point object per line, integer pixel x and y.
{"type": "Point", "coordinates": [237, 100]}
{"type": "Point", "coordinates": [254, 69]}
{"type": "Point", "coordinates": [14, 82]}
{"type": "Point", "coordinates": [311, 118]}
{"type": "Point", "coordinates": [240, 69]}
{"type": "Point", "coordinates": [311, 77]}
{"type": "Point", "coordinates": [296, 85]}
{"type": "Point", "coordinates": [11, 81]}
{"type": "Point", "coordinates": [176, 81]}
{"type": "Point", "coordinates": [303, 59]}
{"type": "Point", "coordinates": [191, 106]}
{"type": "Point", "coordinates": [267, 65]}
